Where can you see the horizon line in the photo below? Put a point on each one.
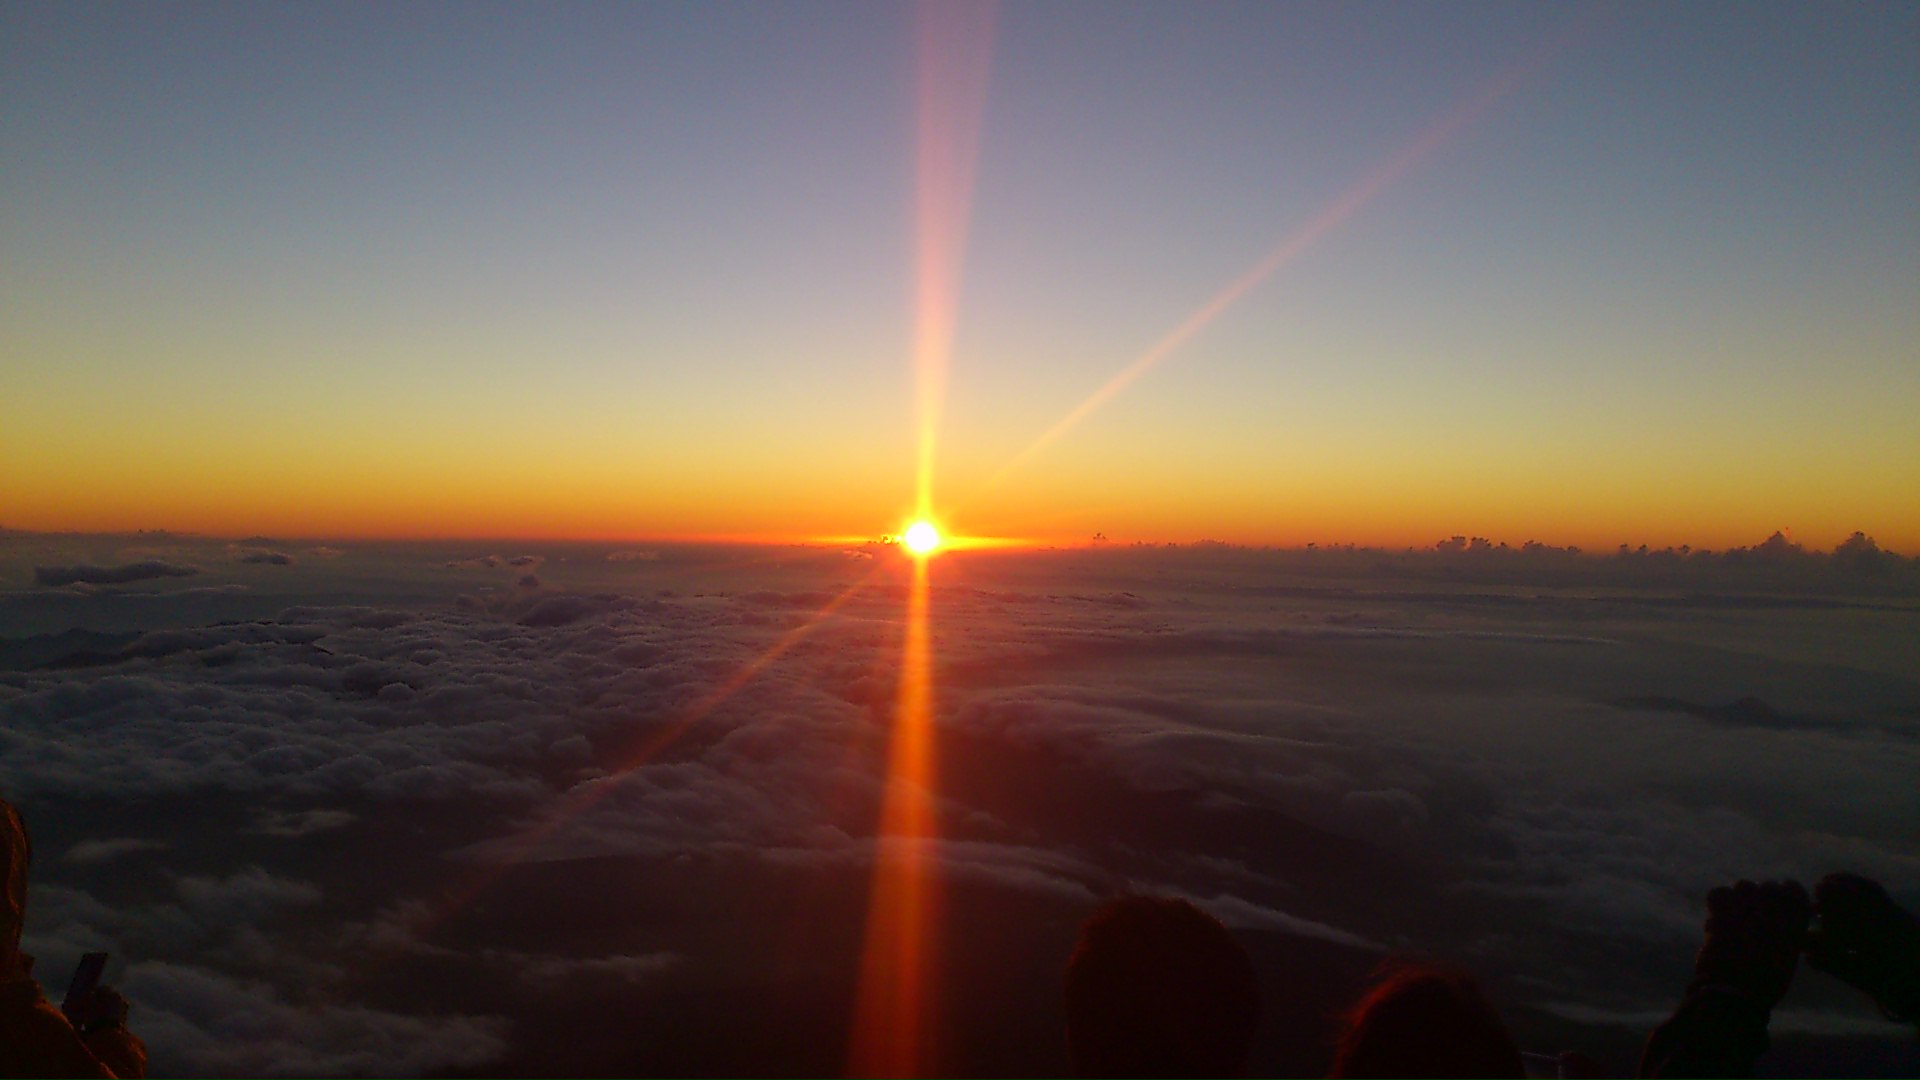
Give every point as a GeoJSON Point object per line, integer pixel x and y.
{"type": "Point", "coordinates": [1079, 542]}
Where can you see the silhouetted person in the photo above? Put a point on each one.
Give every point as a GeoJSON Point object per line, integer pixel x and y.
{"type": "Point", "coordinates": [1754, 934]}
{"type": "Point", "coordinates": [1869, 942]}
{"type": "Point", "coordinates": [1157, 987]}
{"type": "Point", "coordinates": [36, 1039]}
{"type": "Point", "coordinates": [1426, 1021]}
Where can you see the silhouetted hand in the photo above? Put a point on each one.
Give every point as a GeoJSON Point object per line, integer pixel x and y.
{"type": "Point", "coordinates": [1867, 940]}
{"type": "Point", "coordinates": [1754, 937]}
{"type": "Point", "coordinates": [103, 1007]}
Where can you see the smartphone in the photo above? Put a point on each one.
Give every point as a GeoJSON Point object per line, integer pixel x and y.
{"type": "Point", "coordinates": [85, 978]}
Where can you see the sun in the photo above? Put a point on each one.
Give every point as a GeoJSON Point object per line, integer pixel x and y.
{"type": "Point", "coordinates": [921, 538]}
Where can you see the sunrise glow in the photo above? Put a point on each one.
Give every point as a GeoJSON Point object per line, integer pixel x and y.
{"type": "Point", "coordinates": [921, 538]}
{"type": "Point", "coordinates": [1410, 330]}
{"type": "Point", "coordinates": [789, 507]}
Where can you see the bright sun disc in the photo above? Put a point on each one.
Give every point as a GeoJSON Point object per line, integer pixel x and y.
{"type": "Point", "coordinates": [921, 538]}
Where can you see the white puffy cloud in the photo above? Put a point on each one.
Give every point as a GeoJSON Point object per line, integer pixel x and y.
{"type": "Point", "coordinates": [549, 973]}
{"type": "Point", "coordinates": [108, 848]}
{"type": "Point", "coordinates": [300, 823]}
{"type": "Point", "coordinates": [208, 1023]}
{"type": "Point", "coordinates": [1240, 914]}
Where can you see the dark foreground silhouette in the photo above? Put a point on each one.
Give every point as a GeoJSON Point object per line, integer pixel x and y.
{"type": "Point", "coordinates": [1157, 987]}
{"type": "Point", "coordinates": [1426, 1021]}
{"type": "Point", "coordinates": [1755, 936]}
{"type": "Point", "coordinates": [90, 1037]}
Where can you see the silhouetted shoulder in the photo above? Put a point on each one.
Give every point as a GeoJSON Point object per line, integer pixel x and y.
{"type": "Point", "coordinates": [1157, 987]}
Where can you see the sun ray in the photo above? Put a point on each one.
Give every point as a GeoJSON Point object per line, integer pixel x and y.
{"type": "Point", "coordinates": [518, 846]}
{"type": "Point", "coordinates": [893, 1013]}
{"type": "Point", "coordinates": [1326, 220]}
{"type": "Point", "coordinates": [955, 43]}
{"type": "Point", "coordinates": [893, 1030]}
{"type": "Point", "coordinates": [670, 734]}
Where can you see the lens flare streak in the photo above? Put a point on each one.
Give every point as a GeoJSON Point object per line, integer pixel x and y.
{"type": "Point", "coordinates": [955, 44]}
{"type": "Point", "coordinates": [1329, 218]}
{"type": "Point", "coordinates": [517, 847]}
{"type": "Point", "coordinates": [895, 1005]}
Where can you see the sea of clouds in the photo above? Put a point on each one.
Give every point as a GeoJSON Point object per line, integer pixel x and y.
{"type": "Point", "coordinates": [406, 809]}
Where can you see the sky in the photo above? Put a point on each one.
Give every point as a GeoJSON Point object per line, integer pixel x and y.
{"type": "Point", "coordinates": [1269, 274]}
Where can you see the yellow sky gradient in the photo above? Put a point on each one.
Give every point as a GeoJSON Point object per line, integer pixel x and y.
{"type": "Point", "coordinates": [1550, 287]}
{"type": "Point", "coordinates": [412, 487]}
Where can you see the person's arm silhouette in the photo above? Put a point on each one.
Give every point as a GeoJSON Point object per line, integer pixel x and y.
{"type": "Point", "coordinates": [35, 1038]}
{"type": "Point", "coordinates": [1754, 934]}
{"type": "Point", "coordinates": [1868, 941]}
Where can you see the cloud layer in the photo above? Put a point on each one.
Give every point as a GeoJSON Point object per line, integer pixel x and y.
{"type": "Point", "coordinates": [429, 830]}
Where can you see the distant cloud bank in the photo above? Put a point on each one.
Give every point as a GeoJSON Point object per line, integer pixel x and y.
{"type": "Point", "coordinates": [270, 558]}
{"type": "Point", "coordinates": [87, 574]}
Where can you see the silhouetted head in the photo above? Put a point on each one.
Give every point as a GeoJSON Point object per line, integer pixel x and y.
{"type": "Point", "coordinates": [1158, 987]}
{"type": "Point", "coordinates": [1426, 1021]}
{"type": "Point", "coordinates": [15, 854]}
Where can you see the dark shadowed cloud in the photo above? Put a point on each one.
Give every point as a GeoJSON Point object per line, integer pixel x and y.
{"type": "Point", "coordinates": [86, 574]}
{"type": "Point", "coordinates": [276, 809]}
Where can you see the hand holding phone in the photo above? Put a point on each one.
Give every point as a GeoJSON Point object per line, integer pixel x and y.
{"type": "Point", "coordinates": [86, 978]}
{"type": "Point", "coordinates": [88, 1005]}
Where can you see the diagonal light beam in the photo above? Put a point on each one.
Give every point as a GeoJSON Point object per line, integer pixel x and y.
{"type": "Point", "coordinates": [1329, 218]}
{"type": "Point", "coordinates": [519, 845]}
